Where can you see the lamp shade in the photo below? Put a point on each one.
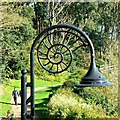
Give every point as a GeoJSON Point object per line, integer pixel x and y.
{"type": "Point", "coordinates": [93, 78]}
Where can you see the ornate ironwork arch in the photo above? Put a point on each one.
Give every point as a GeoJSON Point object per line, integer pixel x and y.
{"type": "Point", "coordinates": [55, 46]}
{"type": "Point", "coordinates": [59, 40]}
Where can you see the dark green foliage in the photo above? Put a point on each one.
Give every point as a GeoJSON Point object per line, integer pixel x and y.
{"type": "Point", "coordinates": [27, 11]}
{"type": "Point", "coordinates": [16, 38]}
{"type": "Point", "coordinates": [99, 62]}
{"type": "Point", "coordinates": [41, 16]}
{"type": "Point", "coordinates": [98, 20]}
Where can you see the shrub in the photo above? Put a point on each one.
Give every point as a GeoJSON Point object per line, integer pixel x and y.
{"type": "Point", "coordinates": [67, 105]}
{"type": "Point", "coordinates": [44, 75]}
{"type": "Point", "coordinates": [74, 77]}
{"type": "Point", "coordinates": [98, 96]}
{"type": "Point", "coordinates": [69, 83]}
{"type": "Point", "coordinates": [78, 74]}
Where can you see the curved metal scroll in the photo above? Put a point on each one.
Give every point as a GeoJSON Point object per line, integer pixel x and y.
{"type": "Point", "coordinates": [56, 44]}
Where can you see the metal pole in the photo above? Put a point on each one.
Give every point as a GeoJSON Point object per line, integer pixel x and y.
{"type": "Point", "coordinates": [23, 95]}
{"type": "Point", "coordinates": [32, 85]}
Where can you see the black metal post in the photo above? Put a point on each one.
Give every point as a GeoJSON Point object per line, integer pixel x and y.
{"type": "Point", "coordinates": [23, 95]}
{"type": "Point", "coordinates": [32, 84]}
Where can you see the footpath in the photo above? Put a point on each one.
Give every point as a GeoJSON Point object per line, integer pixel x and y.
{"type": "Point", "coordinates": [17, 109]}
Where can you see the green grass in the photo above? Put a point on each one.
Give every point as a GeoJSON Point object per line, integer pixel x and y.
{"type": "Point", "coordinates": [41, 100]}
{"type": "Point", "coordinates": [5, 101]}
{"type": "Point", "coordinates": [7, 88]}
{"type": "Point", "coordinates": [41, 83]}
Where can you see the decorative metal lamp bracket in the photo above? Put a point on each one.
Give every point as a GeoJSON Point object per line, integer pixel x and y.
{"type": "Point", "coordinates": [55, 46]}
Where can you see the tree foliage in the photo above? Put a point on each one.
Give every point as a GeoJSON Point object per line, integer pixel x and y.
{"type": "Point", "coordinates": [17, 33]}
{"type": "Point", "coordinates": [21, 19]}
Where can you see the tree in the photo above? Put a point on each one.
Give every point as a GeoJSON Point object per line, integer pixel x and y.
{"type": "Point", "coordinates": [17, 33]}
{"type": "Point", "coordinates": [98, 20]}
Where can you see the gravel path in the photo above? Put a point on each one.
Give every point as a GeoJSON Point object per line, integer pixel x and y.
{"type": "Point", "coordinates": [16, 108]}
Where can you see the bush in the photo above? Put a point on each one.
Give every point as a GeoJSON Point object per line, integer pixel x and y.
{"type": "Point", "coordinates": [69, 84]}
{"type": "Point", "coordinates": [65, 105]}
{"type": "Point", "coordinates": [98, 96]}
{"type": "Point", "coordinates": [77, 74]}
{"type": "Point", "coordinates": [44, 75]}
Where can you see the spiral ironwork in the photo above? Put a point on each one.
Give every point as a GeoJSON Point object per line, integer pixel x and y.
{"type": "Point", "coordinates": [55, 47]}
{"type": "Point", "coordinates": [56, 44]}
{"type": "Point", "coordinates": [56, 58]}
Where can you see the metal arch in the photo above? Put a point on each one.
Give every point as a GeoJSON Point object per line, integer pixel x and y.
{"type": "Point", "coordinates": [92, 78]}
{"type": "Point", "coordinates": [31, 84]}
{"type": "Point", "coordinates": [65, 26]}
{"type": "Point", "coordinates": [40, 53]}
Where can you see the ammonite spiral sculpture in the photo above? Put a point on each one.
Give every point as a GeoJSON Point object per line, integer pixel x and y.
{"type": "Point", "coordinates": [55, 47]}
{"type": "Point", "coordinates": [56, 44]}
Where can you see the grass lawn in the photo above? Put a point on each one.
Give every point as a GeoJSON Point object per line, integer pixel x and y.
{"type": "Point", "coordinates": [41, 83]}
{"type": "Point", "coordinates": [41, 100]}
{"type": "Point", "coordinates": [8, 86]}
{"type": "Point", "coordinates": [5, 101]}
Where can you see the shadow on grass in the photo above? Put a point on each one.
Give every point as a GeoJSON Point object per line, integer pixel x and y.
{"type": "Point", "coordinates": [8, 84]}
{"type": "Point", "coordinates": [8, 103]}
{"type": "Point", "coordinates": [42, 112]}
{"type": "Point", "coordinates": [43, 104]}
{"type": "Point", "coordinates": [3, 118]}
{"type": "Point", "coordinates": [52, 89]}
{"type": "Point", "coordinates": [41, 108]}
{"type": "Point", "coordinates": [42, 115]}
